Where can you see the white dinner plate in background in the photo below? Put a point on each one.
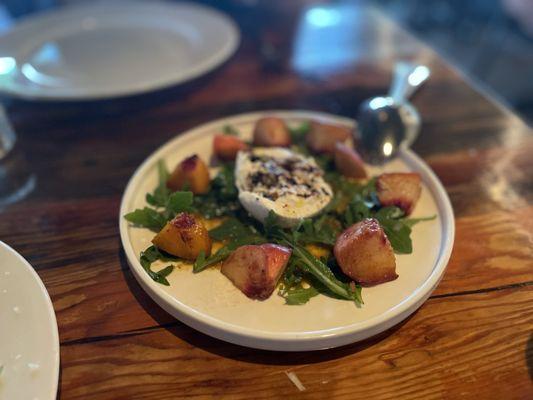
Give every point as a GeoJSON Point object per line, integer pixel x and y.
{"type": "Point", "coordinates": [209, 302]}
{"type": "Point", "coordinates": [113, 48]}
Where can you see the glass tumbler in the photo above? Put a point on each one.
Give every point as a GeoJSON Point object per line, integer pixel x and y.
{"type": "Point", "coordinates": [16, 179]}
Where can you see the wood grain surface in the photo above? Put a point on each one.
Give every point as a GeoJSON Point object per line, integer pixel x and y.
{"type": "Point", "coordinates": [472, 339]}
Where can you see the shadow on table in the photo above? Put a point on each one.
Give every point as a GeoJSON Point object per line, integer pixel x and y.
{"type": "Point", "coordinates": [233, 351]}
{"type": "Point", "coordinates": [529, 356]}
{"type": "Point", "coordinates": [256, 356]}
{"type": "Point", "coordinates": [59, 380]}
{"type": "Point", "coordinates": [159, 315]}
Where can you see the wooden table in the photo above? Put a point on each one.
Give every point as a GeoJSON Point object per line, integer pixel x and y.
{"type": "Point", "coordinates": [472, 339]}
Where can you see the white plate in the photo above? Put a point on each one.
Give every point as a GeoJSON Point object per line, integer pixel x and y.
{"type": "Point", "coordinates": [109, 49]}
{"type": "Point", "coordinates": [210, 303]}
{"type": "Point", "coordinates": [29, 342]}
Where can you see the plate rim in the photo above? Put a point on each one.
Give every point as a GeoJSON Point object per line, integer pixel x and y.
{"type": "Point", "coordinates": [290, 341]}
{"type": "Point", "coordinates": [221, 56]}
{"type": "Point", "coordinates": [51, 313]}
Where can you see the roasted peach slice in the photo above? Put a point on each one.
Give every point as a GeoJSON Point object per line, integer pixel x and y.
{"type": "Point", "coordinates": [321, 138]}
{"type": "Point", "coordinates": [364, 253]}
{"type": "Point", "coordinates": [399, 189]}
{"type": "Point", "coordinates": [184, 237]}
{"type": "Point", "coordinates": [191, 174]}
{"type": "Point", "coordinates": [348, 162]}
{"type": "Point", "coordinates": [256, 269]}
{"type": "Point", "coordinates": [271, 132]}
{"type": "Point", "coordinates": [226, 147]}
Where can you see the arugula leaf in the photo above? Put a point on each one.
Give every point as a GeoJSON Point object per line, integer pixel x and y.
{"type": "Point", "coordinates": [349, 187]}
{"type": "Point", "coordinates": [179, 202]}
{"type": "Point", "coordinates": [308, 263]}
{"type": "Point", "coordinates": [355, 211]}
{"type": "Point", "coordinates": [221, 254]}
{"type": "Point", "coordinates": [298, 295]}
{"type": "Point", "coordinates": [291, 288]}
{"type": "Point", "coordinates": [271, 225]}
{"type": "Point", "coordinates": [298, 133]}
{"type": "Point", "coordinates": [320, 271]}
{"type": "Point", "coordinates": [229, 229]}
{"type": "Point", "coordinates": [155, 220]}
{"type": "Point", "coordinates": [291, 277]}
{"type": "Point", "coordinates": [363, 205]}
{"type": "Point", "coordinates": [165, 271]}
{"type": "Point", "coordinates": [391, 212]}
{"type": "Point", "coordinates": [152, 254]}
{"type": "Point", "coordinates": [346, 191]}
{"type": "Point", "coordinates": [202, 262]}
{"type": "Point", "coordinates": [326, 162]}
{"type": "Point", "coordinates": [234, 229]}
{"type": "Point", "coordinates": [160, 195]}
{"type": "Point", "coordinates": [224, 183]}
{"type": "Point", "coordinates": [390, 218]}
{"type": "Point", "coordinates": [148, 218]}
{"type": "Point", "coordinates": [222, 200]}
{"type": "Point", "coordinates": [230, 130]}
{"type": "Point", "coordinates": [410, 222]}
{"type": "Point", "coordinates": [322, 230]}
{"type": "Point", "coordinates": [399, 235]}
{"type": "Point", "coordinates": [300, 148]}
{"type": "Point", "coordinates": [199, 262]}
{"type": "Point", "coordinates": [357, 291]}
{"type": "Point", "coordinates": [210, 207]}
{"type": "Point", "coordinates": [398, 232]}
{"type": "Point", "coordinates": [238, 234]}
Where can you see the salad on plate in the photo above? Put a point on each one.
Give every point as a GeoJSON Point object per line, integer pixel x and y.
{"type": "Point", "coordinates": [291, 212]}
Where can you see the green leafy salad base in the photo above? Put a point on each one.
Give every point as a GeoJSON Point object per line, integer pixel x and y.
{"type": "Point", "coordinates": [306, 275]}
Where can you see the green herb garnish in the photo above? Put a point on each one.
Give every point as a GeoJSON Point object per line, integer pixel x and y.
{"type": "Point", "coordinates": [202, 262]}
{"type": "Point", "coordinates": [298, 133]}
{"type": "Point", "coordinates": [322, 230]}
{"type": "Point", "coordinates": [152, 254]}
{"type": "Point", "coordinates": [398, 229]}
{"type": "Point", "coordinates": [155, 220]}
{"type": "Point", "coordinates": [410, 222]}
{"type": "Point", "coordinates": [235, 234]}
{"type": "Point", "coordinates": [159, 197]}
{"type": "Point", "coordinates": [147, 218]}
{"type": "Point", "coordinates": [166, 204]}
{"type": "Point", "coordinates": [224, 183]}
{"type": "Point", "coordinates": [233, 229]}
{"type": "Point", "coordinates": [308, 263]}
{"type": "Point", "coordinates": [224, 252]}
{"type": "Point", "coordinates": [230, 130]}
{"type": "Point", "coordinates": [298, 295]}
{"type": "Point", "coordinates": [178, 202]}
{"type": "Point", "coordinates": [321, 272]}
{"type": "Point", "coordinates": [222, 199]}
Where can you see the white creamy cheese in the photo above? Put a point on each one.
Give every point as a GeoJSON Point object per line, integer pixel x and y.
{"type": "Point", "coordinates": [280, 180]}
